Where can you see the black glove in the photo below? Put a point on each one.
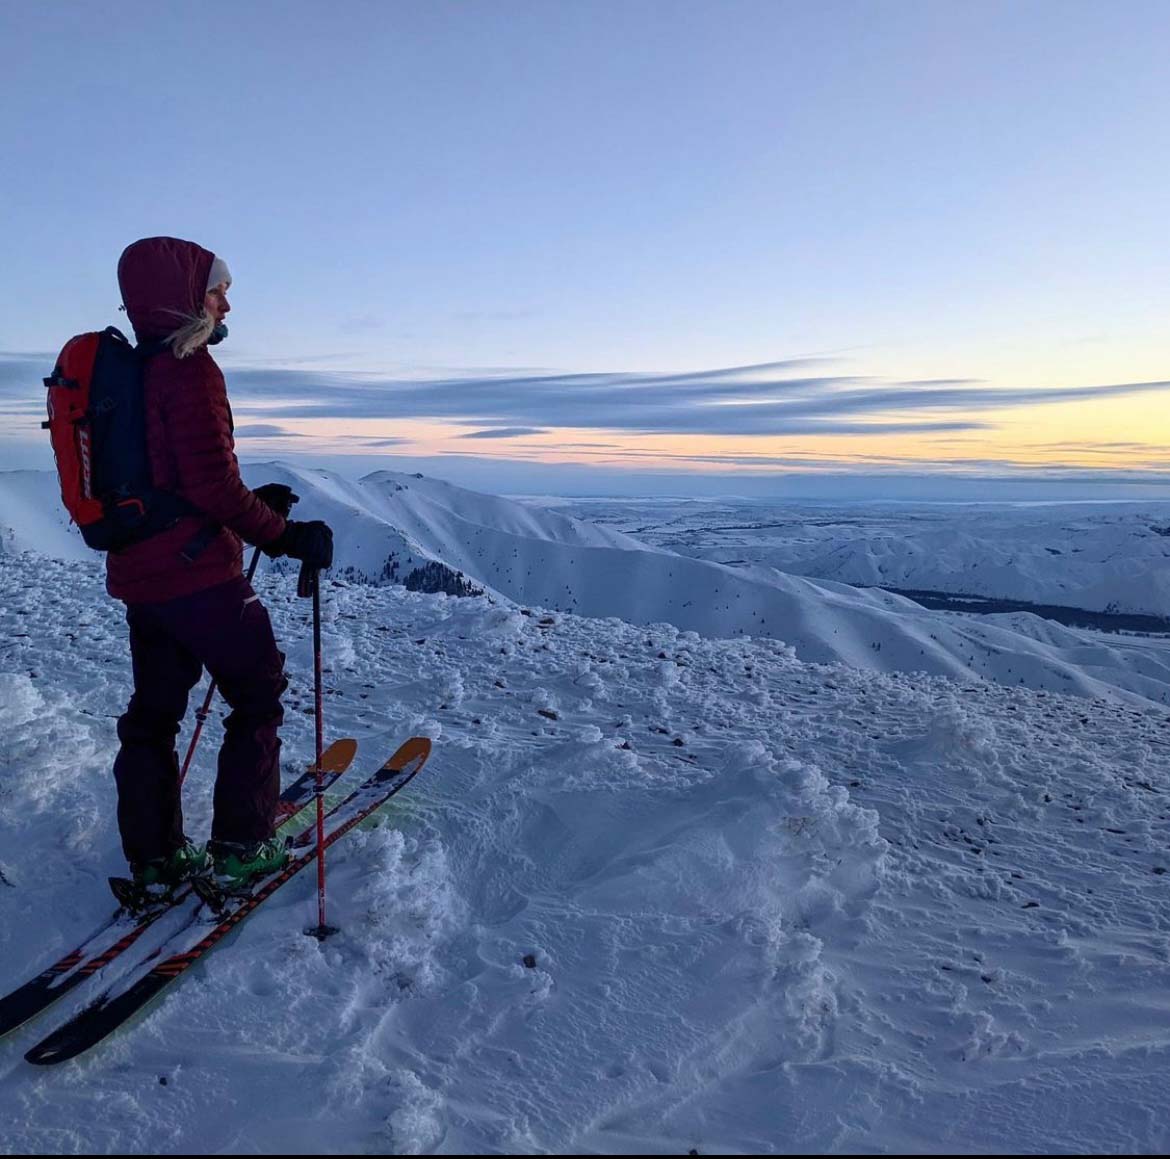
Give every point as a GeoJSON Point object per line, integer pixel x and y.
{"type": "Point", "coordinates": [310, 542]}
{"type": "Point", "coordinates": [277, 496]}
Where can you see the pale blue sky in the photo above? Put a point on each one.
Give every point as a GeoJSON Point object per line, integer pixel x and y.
{"type": "Point", "coordinates": [921, 190]}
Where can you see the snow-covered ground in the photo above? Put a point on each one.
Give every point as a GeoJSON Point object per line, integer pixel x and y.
{"type": "Point", "coordinates": [1100, 556]}
{"type": "Point", "coordinates": [774, 906]}
{"type": "Point", "coordinates": [392, 527]}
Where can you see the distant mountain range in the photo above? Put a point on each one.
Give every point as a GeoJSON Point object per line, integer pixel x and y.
{"type": "Point", "coordinates": [1104, 557]}
{"type": "Point", "coordinates": [429, 535]}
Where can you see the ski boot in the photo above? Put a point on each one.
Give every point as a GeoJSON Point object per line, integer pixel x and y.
{"type": "Point", "coordinates": [235, 865]}
{"type": "Point", "coordinates": [154, 882]}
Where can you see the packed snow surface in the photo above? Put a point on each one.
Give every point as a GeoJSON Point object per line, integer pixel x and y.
{"type": "Point", "coordinates": [770, 905]}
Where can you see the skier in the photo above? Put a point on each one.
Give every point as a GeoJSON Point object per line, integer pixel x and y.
{"type": "Point", "coordinates": [188, 604]}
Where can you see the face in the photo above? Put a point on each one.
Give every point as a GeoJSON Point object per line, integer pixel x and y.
{"type": "Point", "coordinates": [215, 302]}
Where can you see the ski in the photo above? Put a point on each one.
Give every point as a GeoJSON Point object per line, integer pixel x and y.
{"type": "Point", "coordinates": [126, 926]}
{"type": "Point", "coordinates": [111, 1009]}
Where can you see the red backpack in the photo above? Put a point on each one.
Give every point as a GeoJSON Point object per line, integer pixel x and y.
{"type": "Point", "coordinates": [97, 425]}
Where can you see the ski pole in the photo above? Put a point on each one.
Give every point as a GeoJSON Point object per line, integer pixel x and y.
{"type": "Point", "coordinates": [309, 583]}
{"type": "Point", "coordinates": [202, 714]}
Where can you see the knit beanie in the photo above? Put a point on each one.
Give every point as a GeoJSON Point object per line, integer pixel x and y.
{"type": "Point", "coordinates": [219, 273]}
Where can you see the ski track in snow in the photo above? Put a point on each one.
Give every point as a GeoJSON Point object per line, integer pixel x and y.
{"type": "Point", "coordinates": [772, 906]}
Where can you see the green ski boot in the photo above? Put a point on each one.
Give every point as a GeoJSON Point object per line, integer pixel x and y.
{"type": "Point", "coordinates": [236, 865]}
{"type": "Point", "coordinates": [159, 876]}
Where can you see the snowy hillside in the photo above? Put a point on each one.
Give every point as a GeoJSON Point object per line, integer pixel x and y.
{"type": "Point", "coordinates": [770, 906]}
{"type": "Point", "coordinates": [1104, 557]}
{"type": "Point", "coordinates": [392, 527]}
{"type": "Point", "coordinates": [32, 517]}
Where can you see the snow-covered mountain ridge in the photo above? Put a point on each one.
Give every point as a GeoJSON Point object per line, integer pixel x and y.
{"type": "Point", "coordinates": [391, 526]}
{"type": "Point", "coordinates": [772, 906]}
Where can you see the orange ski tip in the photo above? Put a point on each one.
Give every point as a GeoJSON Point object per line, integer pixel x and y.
{"type": "Point", "coordinates": [415, 750]}
{"type": "Point", "coordinates": [337, 757]}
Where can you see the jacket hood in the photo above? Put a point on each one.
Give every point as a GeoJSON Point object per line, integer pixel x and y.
{"type": "Point", "coordinates": [163, 281]}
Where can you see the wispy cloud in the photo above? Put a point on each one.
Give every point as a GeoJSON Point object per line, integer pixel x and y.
{"type": "Point", "coordinates": [232, 359]}
{"type": "Point", "coordinates": [503, 433]}
{"type": "Point", "coordinates": [265, 431]}
{"type": "Point", "coordinates": [38, 356]}
{"type": "Point", "coordinates": [360, 324]}
{"type": "Point", "coordinates": [799, 396]}
{"type": "Point", "coordinates": [590, 446]}
{"type": "Point", "coordinates": [774, 398]}
{"type": "Point", "coordinates": [1081, 447]}
{"type": "Point", "coordinates": [493, 315]}
{"type": "Point", "coordinates": [22, 390]}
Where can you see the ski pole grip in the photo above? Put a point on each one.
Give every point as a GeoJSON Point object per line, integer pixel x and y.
{"type": "Point", "coordinates": [307, 580]}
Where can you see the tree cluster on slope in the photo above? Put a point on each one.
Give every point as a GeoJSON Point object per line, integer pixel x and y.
{"type": "Point", "coordinates": [434, 577]}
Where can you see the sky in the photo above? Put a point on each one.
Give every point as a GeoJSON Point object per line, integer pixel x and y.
{"type": "Point", "coordinates": [593, 246]}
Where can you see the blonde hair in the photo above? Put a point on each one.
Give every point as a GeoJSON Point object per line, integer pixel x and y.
{"type": "Point", "coordinates": [192, 335]}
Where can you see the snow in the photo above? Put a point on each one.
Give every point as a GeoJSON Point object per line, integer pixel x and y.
{"type": "Point", "coordinates": [1100, 556]}
{"type": "Point", "coordinates": [389, 526]}
{"type": "Point", "coordinates": [771, 904]}
{"type": "Point", "coordinates": [33, 516]}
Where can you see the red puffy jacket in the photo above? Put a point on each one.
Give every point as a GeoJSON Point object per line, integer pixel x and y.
{"type": "Point", "coordinates": [189, 434]}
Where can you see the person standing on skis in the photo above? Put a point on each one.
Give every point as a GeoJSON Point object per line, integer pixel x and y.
{"type": "Point", "coordinates": [188, 605]}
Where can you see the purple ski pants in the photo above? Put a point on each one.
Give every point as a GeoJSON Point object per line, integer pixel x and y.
{"type": "Point", "coordinates": [226, 630]}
